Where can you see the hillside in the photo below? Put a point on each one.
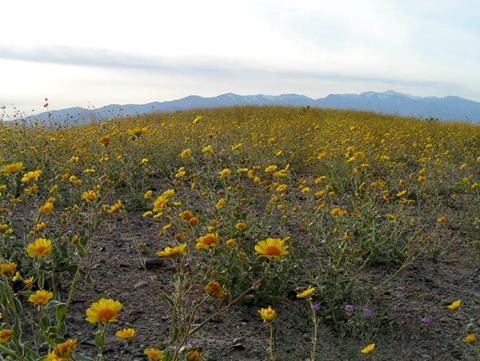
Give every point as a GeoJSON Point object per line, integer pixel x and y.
{"type": "Point", "coordinates": [389, 102]}
{"type": "Point", "coordinates": [238, 234]}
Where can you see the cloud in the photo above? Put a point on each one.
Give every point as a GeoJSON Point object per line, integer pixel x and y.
{"type": "Point", "coordinates": [85, 57]}
{"type": "Point", "coordinates": [118, 51]}
{"type": "Point", "coordinates": [204, 67]}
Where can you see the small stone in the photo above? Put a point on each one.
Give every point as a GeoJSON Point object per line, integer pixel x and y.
{"type": "Point", "coordinates": [139, 284]}
{"type": "Point", "coordinates": [153, 263]}
{"type": "Point", "coordinates": [238, 347]}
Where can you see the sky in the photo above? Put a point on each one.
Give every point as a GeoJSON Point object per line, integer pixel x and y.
{"type": "Point", "coordinates": [92, 53]}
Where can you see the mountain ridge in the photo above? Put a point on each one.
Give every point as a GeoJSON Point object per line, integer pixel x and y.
{"type": "Point", "coordinates": [389, 102]}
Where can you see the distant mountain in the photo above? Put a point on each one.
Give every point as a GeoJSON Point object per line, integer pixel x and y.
{"type": "Point", "coordinates": [443, 108]}
{"type": "Point", "coordinates": [390, 102]}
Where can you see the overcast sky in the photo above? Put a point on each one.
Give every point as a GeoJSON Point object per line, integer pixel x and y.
{"type": "Point", "coordinates": [97, 52]}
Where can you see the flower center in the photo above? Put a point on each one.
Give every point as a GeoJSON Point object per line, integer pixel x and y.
{"type": "Point", "coordinates": [208, 240]}
{"type": "Point", "coordinates": [41, 249]}
{"type": "Point", "coordinates": [5, 334]}
{"type": "Point", "coordinates": [105, 315]}
{"type": "Point", "coordinates": [272, 251]}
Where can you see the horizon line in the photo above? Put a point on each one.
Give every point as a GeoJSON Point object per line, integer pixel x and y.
{"type": "Point", "coordinates": [38, 112]}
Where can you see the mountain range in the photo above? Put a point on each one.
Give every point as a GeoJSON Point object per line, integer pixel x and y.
{"type": "Point", "coordinates": [389, 102]}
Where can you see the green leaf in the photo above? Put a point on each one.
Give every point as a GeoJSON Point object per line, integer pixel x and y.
{"type": "Point", "coordinates": [54, 304]}
{"type": "Point", "coordinates": [72, 269]}
{"type": "Point", "coordinates": [41, 279]}
{"type": "Point", "coordinates": [83, 358]}
{"type": "Point", "coordinates": [60, 312]}
{"type": "Point", "coordinates": [60, 317]}
{"type": "Point", "coordinates": [99, 341]}
{"type": "Point", "coordinates": [45, 323]}
{"type": "Point", "coordinates": [80, 249]}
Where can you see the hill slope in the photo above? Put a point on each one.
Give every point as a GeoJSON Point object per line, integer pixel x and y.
{"type": "Point", "coordinates": [443, 108]}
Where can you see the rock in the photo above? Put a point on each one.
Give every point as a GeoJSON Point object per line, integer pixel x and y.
{"type": "Point", "coordinates": [139, 284]}
{"type": "Point", "coordinates": [153, 263]}
{"type": "Point", "coordinates": [238, 347]}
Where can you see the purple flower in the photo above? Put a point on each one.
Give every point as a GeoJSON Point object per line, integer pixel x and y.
{"type": "Point", "coordinates": [367, 312]}
{"type": "Point", "coordinates": [425, 321]}
{"type": "Point", "coordinates": [349, 309]}
{"type": "Point", "coordinates": [317, 307]}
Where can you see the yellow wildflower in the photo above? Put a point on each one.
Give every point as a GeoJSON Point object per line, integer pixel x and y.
{"type": "Point", "coordinates": [454, 305]}
{"type": "Point", "coordinates": [367, 349]}
{"type": "Point", "coordinates": [148, 194]}
{"type": "Point", "coordinates": [9, 268]}
{"type": "Point", "coordinates": [125, 333]}
{"type": "Point", "coordinates": [39, 248]}
{"type": "Point", "coordinates": [230, 243]}
{"type": "Point", "coordinates": [224, 173]}
{"type": "Point", "coordinates": [159, 203]}
{"type": "Point", "coordinates": [172, 251]}
{"type": "Point", "coordinates": [31, 176]}
{"type": "Point", "coordinates": [241, 226]}
{"type": "Point", "coordinates": [338, 212]}
{"type": "Point", "coordinates": [271, 169]}
{"type": "Point", "coordinates": [137, 131]}
{"type": "Point", "coordinates": [442, 220]}
{"type": "Point", "coordinates": [273, 248]}
{"type": "Point", "coordinates": [307, 293]}
{"type": "Point", "coordinates": [207, 149]}
{"type": "Point", "coordinates": [207, 241]}
{"type": "Point", "coordinates": [153, 354]}
{"type": "Point", "coordinates": [215, 289]}
{"type": "Point", "coordinates": [105, 140]}
{"type": "Point", "coordinates": [470, 339]}
{"type": "Point", "coordinates": [5, 335]}
{"type": "Point", "coordinates": [104, 310]}
{"type": "Point", "coordinates": [185, 153]}
{"type": "Point", "coordinates": [267, 314]}
{"type": "Point", "coordinates": [89, 196]}
{"type": "Point", "coordinates": [115, 207]}
{"type": "Point", "coordinates": [63, 351]}
{"type": "Point", "coordinates": [40, 297]}
{"type": "Point", "coordinates": [12, 168]}
{"type": "Point", "coordinates": [193, 355]}
{"type": "Point", "coordinates": [220, 203]}
{"type": "Point", "coordinates": [46, 208]}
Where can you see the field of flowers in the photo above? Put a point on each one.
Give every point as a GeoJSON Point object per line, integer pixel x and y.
{"type": "Point", "coordinates": [248, 233]}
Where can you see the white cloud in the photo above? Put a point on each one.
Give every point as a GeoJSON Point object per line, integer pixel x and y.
{"type": "Point", "coordinates": [122, 51]}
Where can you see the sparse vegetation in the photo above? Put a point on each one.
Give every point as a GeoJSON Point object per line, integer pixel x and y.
{"type": "Point", "coordinates": [314, 218]}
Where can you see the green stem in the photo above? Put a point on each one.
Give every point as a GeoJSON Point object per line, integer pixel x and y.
{"type": "Point", "coordinates": [315, 331]}
{"type": "Point", "coordinates": [7, 351]}
{"type": "Point", "coordinates": [100, 349]}
{"type": "Point", "coordinates": [187, 328]}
